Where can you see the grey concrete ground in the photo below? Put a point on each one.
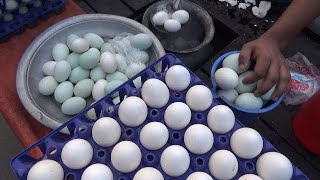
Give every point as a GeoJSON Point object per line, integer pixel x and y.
{"type": "Point", "coordinates": [10, 146]}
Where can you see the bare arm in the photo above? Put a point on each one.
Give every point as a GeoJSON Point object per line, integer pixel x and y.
{"type": "Point", "coordinates": [266, 50]}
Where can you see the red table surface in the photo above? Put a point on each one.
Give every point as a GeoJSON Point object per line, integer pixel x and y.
{"type": "Point", "coordinates": [25, 127]}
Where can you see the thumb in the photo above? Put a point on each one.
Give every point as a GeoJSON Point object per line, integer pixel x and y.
{"type": "Point", "coordinates": [244, 57]}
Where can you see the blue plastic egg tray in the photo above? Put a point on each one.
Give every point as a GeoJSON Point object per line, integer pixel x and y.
{"type": "Point", "coordinates": [29, 19]}
{"type": "Point", "coordinates": [80, 127]}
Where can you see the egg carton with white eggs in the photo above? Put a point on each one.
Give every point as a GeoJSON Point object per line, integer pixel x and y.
{"type": "Point", "coordinates": [170, 128]}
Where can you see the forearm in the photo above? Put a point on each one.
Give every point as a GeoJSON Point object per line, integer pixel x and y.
{"type": "Point", "coordinates": [298, 15]}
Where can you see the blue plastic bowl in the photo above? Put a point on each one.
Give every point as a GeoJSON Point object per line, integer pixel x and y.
{"type": "Point", "coordinates": [244, 115]}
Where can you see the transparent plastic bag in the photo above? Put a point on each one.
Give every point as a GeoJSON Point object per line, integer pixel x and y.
{"type": "Point", "coordinates": [305, 80]}
{"type": "Point", "coordinates": [121, 43]}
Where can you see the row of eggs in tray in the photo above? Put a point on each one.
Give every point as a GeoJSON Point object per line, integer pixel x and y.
{"type": "Point", "coordinates": [246, 143]}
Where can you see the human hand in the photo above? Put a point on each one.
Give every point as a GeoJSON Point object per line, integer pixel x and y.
{"type": "Point", "coordinates": [270, 65]}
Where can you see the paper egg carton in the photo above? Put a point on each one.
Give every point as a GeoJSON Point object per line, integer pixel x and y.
{"type": "Point", "coordinates": [19, 21]}
{"type": "Point", "coordinates": [80, 127]}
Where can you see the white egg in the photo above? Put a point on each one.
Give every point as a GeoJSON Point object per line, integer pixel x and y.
{"type": "Point", "coordinates": [60, 52]}
{"type": "Point", "coordinates": [172, 25]}
{"type": "Point", "coordinates": [148, 173]}
{"type": "Point", "coordinates": [80, 45]}
{"type": "Point", "coordinates": [177, 115]}
{"type": "Point", "coordinates": [154, 135]}
{"type": "Point", "coordinates": [249, 101]}
{"type": "Point", "coordinates": [77, 154]}
{"type": "Point", "coordinates": [199, 176]}
{"type": "Point", "coordinates": [133, 111]}
{"type": "Point", "coordinates": [48, 68]}
{"type": "Point", "coordinates": [46, 169]}
{"type": "Point", "coordinates": [159, 18]}
{"type": "Point", "coordinates": [226, 78]}
{"type": "Point", "coordinates": [250, 177]}
{"type": "Point", "coordinates": [106, 132]}
{"type": "Point", "coordinates": [223, 164]}
{"type": "Point", "coordinates": [181, 15]}
{"type": "Point", "coordinates": [134, 68]}
{"type": "Point", "coordinates": [273, 165]}
{"type": "Point", "coordinates": [245, 88]}
{"type": "Point", "coordinates": [221, 119]}
{"type": "Point", "coordinates": [232, 62]}
{"type": "Point", "coordinates": [231, 94]}
{"type": "Point", "coordinates": [97, 172]}
{"type": "Point", "coordinates": [155, 93]}
{"type": "Point", "coordinates": [198, 139]}
{"type": "Point", "coordinates": [175, 160]}
{"type": "Point", "coordinates": [126, 156]}
{"type": "Point", "coordinates": [98, 89]}
{"type": "Point", "coordinates": [199, 98]}
{"type": "Point", "coordinates": [108, 62]}
{"type": "Point", "coordinates": [177, 78]}
{"type": "Point", "coordinates": [268, 95]}
{"type": "Point", "coordinates": [246, 143]}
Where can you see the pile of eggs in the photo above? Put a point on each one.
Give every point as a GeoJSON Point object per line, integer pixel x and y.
{"type": "Point", "coordinates": [171, 23]}
{"type": "Point", "coordinates": [229, 79]}
{"type": "Point", "coordinates": [175, 159]}
{"type": "Point", "coordinates": [88, 65]}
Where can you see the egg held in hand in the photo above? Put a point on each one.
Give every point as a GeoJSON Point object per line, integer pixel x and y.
{"type": "Point", "coordinates": [232, 62]}
{"type": "Point", "coordinates": [245, 88]}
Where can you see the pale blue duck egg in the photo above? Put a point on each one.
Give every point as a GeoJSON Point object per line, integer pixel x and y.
{"type": "Point", "coordinates": [78, 74]}
{"type": "Point", "coordinates": [90, 59]}
{"type": "Point", "coordinates": [73, 105]}
{"type": "Point", "coordinates": [95, 40]}
{"type": "Point", "coordinates": [63, 92]}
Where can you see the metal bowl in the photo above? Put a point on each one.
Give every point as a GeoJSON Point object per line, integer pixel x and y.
{"type": "Point", "coordinates": [199, 30]}
{"type": "Point", "coordinates": [44, 108]}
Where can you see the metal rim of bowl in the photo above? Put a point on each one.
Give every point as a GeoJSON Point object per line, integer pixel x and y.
{"type": "Point", "coordinates": [21, 75]}
{"type": "Point", "coordinates": [209, 33]}
{"type": "Point", "coordinates": [214, 67]}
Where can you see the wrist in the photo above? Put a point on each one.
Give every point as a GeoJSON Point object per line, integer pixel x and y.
{"type": "Point", "coordinates": [277, 39]}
